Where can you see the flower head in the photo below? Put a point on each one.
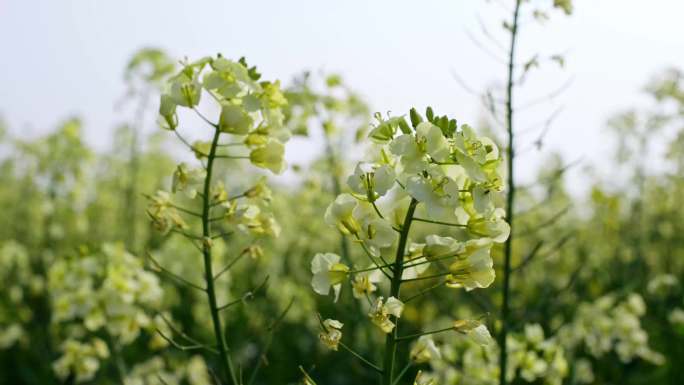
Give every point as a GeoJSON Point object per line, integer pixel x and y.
{"type": "Point", "coordinates": [187, 180]}
{"type": "Point", "coordinates": [270, 156]}
{"type": "Point", "coordinates": [424, 350]}
{"type": "Point", "coordinates": [437, 191]}
{"type": "Point", "coordinates": [473, 268]}
{"type": "Point", "coordinates": [328, 273]}
{"type": "Point", "coordinates": [381, 311]}
{"type": "Point", "coordinates": [431, 140]}
{"type": "Point", "coordinates": [475, 330]}
{"type": "Point", "coordinates": [371, 180]}
{"type": "Point", "coordinates": [364, 283]}
{"type": "Point", "coordinates": [331, 334]}
{"type": "Point", "coordinates": [339, 214]}
{"type": "Point", "coordinates": [164, 216]}
{"type": "Point", "coordinates": [440, 247]}
{"type": "Point", "coordinates": [235, 120]}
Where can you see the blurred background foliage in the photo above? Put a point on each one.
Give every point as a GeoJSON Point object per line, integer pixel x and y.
{"type": "Point", "coordinates": [597, 294]}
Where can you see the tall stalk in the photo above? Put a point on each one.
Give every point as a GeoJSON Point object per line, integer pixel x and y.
{"type": "Point", "coordinates": [131, 193]}
{"type": "Point", "coordinates": [510, 198]}
{"type": "Point", "coordinates": [225, 361]}
{"type": "Point", "coordinates": [395, 287]}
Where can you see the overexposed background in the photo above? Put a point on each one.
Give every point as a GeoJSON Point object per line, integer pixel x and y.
{"type": "Point", "coordinates": [63, 58]}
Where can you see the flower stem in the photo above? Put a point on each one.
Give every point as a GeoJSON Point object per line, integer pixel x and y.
{"type": "Point", "coordinates": [442, 274]}
{"type": "Point", "coordinates": [510, 200]}
{"type": "Point", "coordinates": [390, 340]}
{"type": "Point", "coordinates": [403, 371]}
{"type": "Point", "coordinates": [412, 336]}
{"type": "Point", "coordinates": [225, 362]}
{"type": "Point", "coordinates": [439, 222]}
{"type": "Point", "coordinates": [360, 358]}
{"type": "Point", "coordinates": [422, 292]}
{"type": "Point", "coordinates": [119, 363]}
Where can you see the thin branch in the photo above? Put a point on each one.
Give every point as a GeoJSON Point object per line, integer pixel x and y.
{"type": "Point", "coordinates": [484, 49]}
{"type": "Point", "coordinates": [167, 272]}
{"type": "Point", "coordinates": [539, 141]}
{"type": "Point", "coordinates": [231, 157]}
{"type": "Point", "coordinates": [184, 141]}
{"type": "Point", "coordinates": [161, 379]}
{"type": "Point", "coordinates": [230, 264]}
{"type": "Point", "coordinates": [470, 89]}
{"type": "Point", "coordinates": [222, 235]}
{"type": "Point", "coordinates": [247, 296]}
{"type": "Point", "coordinates": [442, 274]}
{"type": "Point", "coordinates": [372, 258]}
{"type": "Point", "coordinates": [548, 97]}
{"type": "Point", "coordinates": [186, 211]}
{"type": "Point", "coordinates": [422, 292]}
{"type": "Point", "coordinates": [182, 347]}
{"type": "Point", "coordinates": [436, 258]}
{"type": "Point", "coordinates": [209, 122]}
{"type": "Point", "coordinates": [229, 199]}
{"type": "Point", "coordinates": [557, 174]}
{"type": "Point", "coordinates": [187, 235]}
{"type": "Point", "coordinates": [562, 241]}
{"type": "Point", "coordinates": [307, 377]}
{"type": "Point", "coordinates": [412, 336]}
{"type": "Point", "coordinates": [542, 124]}
{"type": "Point", "coordinates": [489, 103]}
{"type": "Point", "coordinates": [178, 331]}
{"type": "Point", "coordinates": [377, 211]}
{"type": "Point", "coordinates": [282, 315]}
{"type": "Point", "coordinates": [347, 348]}
{"type": "Point", "coordinates": [481, 301]}
{"type": "Point", "coordinates": [439, 222]}
{"type": "Point", "coordinates": [361, 358]}
{"type": "Point", "coordinates": [402, 372]}
{"type": "Point", "coordinates": [181, 209]}
{"type": "Point", "coordinates": [529, 256]}
{"type": "Point", "coordinates": [489, 35]}
{"type": "Point", "coordinates": [546, 223]}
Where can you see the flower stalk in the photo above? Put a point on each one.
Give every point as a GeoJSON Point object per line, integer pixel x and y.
{"type": "Point", "coordinates": [225, 361]}
{"type": "Point", "coordinates": [395, 288]}
{"type": "Point", "coordinates": [510, 198]}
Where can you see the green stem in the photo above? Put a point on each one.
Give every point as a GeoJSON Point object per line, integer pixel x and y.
{"type": "Point", "coordinates": [119, 363]}
{"type": "Point", "coordinates": [442, 274]}
{"type": "Point", "coordinates": [439, 222]}
{"type": "Point", "coordinates": [422, 292]}
{"type": "Point", "coordinates": [360, 357]}
{"type": "Point", "coordinates": [390, 340]}
{"type": "Point", "coordinates": [510, 200]}
{"type": "Point", "coordinates": [412, 336]}
{"type": "Point", "coordinates": [225, 362]}
{"type": "Point", "coordinates": [372, 259]}
{"type": "Point", "coordinates": [131, 195]}
{"type": "Point", "coordinates": [436, 258]}
{"type": "Point", "coordinates": [403, 371]}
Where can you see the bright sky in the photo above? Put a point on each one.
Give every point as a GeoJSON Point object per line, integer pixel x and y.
{"type": "Point", "coordinates": [67, 57]}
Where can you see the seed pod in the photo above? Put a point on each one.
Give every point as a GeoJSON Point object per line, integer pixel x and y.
{"type": "Point", "coordinates": [416, 119]}
{"type": "Point", "coordinates": [429, 114]}
{"type": "Point", "coordinates": [404, 127]}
